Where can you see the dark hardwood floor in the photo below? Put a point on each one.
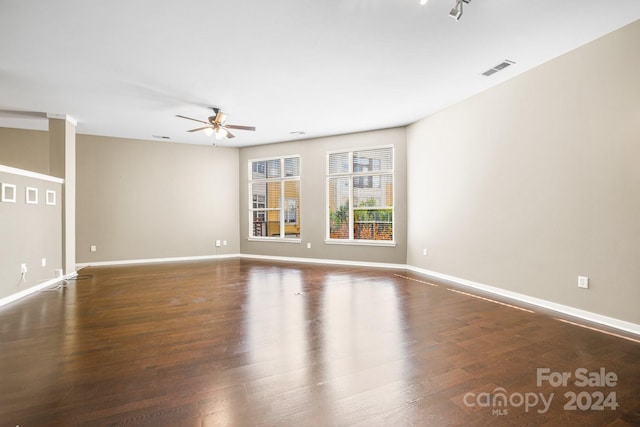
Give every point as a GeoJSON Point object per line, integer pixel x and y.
{"type": "Point", "coordinates": [243, 342]}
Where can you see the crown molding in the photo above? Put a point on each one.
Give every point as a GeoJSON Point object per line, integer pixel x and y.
{"type": "Point", "coordinates": [65, 117]}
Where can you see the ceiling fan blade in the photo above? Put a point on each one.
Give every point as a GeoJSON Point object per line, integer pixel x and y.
{"type": "Point", "coordinates": [189, 118]}
{"type": "Point", "coordinates": [220, 117]}
{"type": "Point", "coordinates": [240, 127]}
{"type": "Point", "coordinates": [202, 128]}
{"type": "Point", "coordinates": [230, 135]}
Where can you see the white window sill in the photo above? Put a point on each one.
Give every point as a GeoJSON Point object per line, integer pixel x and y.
{"type": "Point", "coordinates": [385, 243]}
{"type": "Point", "coordinates": [275, 239]}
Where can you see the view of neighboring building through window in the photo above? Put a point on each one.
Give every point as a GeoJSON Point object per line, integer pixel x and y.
{"type": "Point", "coordinates": [360, 195]}
{"type": "Point", "coordinates": [274, 205]}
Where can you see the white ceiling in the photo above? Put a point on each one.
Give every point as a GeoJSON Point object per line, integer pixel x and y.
{"type": "Point", "coordinates": [326, 67]}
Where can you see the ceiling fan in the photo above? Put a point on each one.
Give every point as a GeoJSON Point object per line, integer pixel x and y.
{"type": "Point", "coordinates": [216, 124]}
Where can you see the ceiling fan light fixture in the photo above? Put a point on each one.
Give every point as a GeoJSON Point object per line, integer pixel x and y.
{"type": "Point", "coordinates": [216, 125]}
{"type": "Point", "coordinates": [220, 133]}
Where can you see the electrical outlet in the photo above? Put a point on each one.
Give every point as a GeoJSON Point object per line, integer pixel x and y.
{"type": "Point", "coordinates": [224, 243]}
{"type": "Point", "coordinates": [23, 268]}
{"type": "Point", "coordinates": [309, 245]}
{"type": "Point", "coordinates": [217, 243]}
{"type": "Point", "coordinates": [93, 248]}
{"type": "Point", "coordinates": [424, 252]}
{"type": "Point", "coordinates": [44, 262]}
{"type": "Point", "coordinates": [583, 282]}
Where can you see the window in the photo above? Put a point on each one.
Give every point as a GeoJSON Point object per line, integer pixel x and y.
{"type": "Point", "coordinates": [360, 195]}
{"type": "Point", "coordinates": [274, 204]}
{"type": "Point", "coordinates": [291, 211]}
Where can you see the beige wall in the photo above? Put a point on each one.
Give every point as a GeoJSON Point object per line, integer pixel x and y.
{"type": "Point", "coordinates": [28, 233]}
{"type": "Point", "coordinates": [25, 149]}
{"type": "Point", "coordinates": [144, 199]}
{"type": "Point", "coordinates": [313, 198]}
{"type": "Point", "coordinates": [536, 181]}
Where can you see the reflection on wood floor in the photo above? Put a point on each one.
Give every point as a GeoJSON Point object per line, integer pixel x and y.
{"type": "Point", "coordinates": [243, 342]}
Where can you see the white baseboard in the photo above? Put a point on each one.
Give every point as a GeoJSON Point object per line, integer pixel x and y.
{"type": "Point", "coordinates": [326, 261]}
{"type": "Point", "coordinates": [153, 260]}
{"type": "Point", "coordinates": [33, 289]}
{"type": "Point", "coordinates": [565, 309]}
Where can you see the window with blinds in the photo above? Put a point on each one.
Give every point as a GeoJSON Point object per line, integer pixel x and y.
{"type": "Point", "coordinates": [274, 198]}
{"type": "Point", "coordinates": [360, 195]}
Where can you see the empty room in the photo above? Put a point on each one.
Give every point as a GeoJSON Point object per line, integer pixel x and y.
{"type": "Point", "coordinates": [337, 213]}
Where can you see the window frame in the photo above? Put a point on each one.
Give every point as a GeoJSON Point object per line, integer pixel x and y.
{"type": "Point", "coordinates": [283, 199]}
{"type": "Point", "coordinates": [351, 175]}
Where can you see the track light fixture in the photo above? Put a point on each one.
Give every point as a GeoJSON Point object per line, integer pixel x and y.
{"type": "Point", "coordinates": [456, 12]}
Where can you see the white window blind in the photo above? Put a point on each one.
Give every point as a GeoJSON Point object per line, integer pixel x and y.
{"type": "Point", "coordinates": [360, 195]}
{"type": "Point", "coordinates": [274, 198]}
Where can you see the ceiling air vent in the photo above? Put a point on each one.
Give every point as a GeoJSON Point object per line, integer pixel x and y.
{"type": "Point", "coordinates": [489, 72]}
{"type": "Point", "coordinates": [160, 137]}
{"type": "Point", "coordinates": [498, 67]}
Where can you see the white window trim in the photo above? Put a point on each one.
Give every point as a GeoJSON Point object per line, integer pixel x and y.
{"type": "Point", "coordinates": [275, 239]}
{"type": "Point", "coordinates": [351, 240]}
{"type": "Point", "coordinates": [361, 242]}
{"type": "Point", "coordinates": [282, 179]}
